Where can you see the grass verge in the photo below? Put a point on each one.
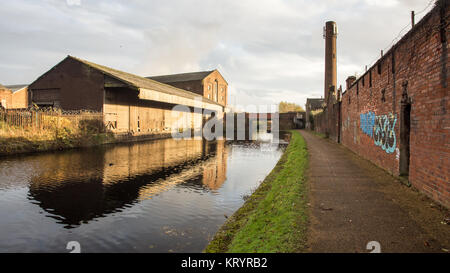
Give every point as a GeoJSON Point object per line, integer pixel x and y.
{"type": "Point", "coordinates": [274, 218]}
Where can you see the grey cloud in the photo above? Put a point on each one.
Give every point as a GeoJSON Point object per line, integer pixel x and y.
{"type": "Point", "coordinates": [268, 50]}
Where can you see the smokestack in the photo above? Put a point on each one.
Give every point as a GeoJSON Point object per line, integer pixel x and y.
{"type": "Point", "coordinates": [330, 34]}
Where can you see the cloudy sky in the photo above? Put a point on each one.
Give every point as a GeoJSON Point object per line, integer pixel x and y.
{"type": "Point", "coordinates": [268, 50]}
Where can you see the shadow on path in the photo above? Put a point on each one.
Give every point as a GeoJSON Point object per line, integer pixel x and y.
{"type": "Point", "coordinates": [353, 202]}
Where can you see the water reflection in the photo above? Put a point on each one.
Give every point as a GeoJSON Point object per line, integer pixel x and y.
{"type": "Point", "coordinates": [159, 196]}
{"type": "Point", "coordinates": [76, 188]}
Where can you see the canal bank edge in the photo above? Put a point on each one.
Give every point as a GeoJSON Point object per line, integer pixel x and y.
{"type": "Point", "coordinates": [275, 217]}
{"type": "Point", "coordinates": [22, 145]}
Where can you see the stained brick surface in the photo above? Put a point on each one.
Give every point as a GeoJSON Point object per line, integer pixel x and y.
{"type": "Point", "coordinates": [417, 67]}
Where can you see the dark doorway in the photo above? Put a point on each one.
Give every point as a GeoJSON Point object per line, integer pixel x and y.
{"type": "Point", "coordinates": [405, 130]}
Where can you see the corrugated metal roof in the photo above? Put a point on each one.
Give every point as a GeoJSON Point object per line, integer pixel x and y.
{"type": "Point", "coordinates": [141, 82]}
{"type": "Point", "coordinates": [182, 77]}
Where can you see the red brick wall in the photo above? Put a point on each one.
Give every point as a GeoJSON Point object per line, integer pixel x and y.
{"type": "Point", "coordinates": [222, 87]}
{"type": "Point", "coordinates": [19, 99]}
{"type": "Point", "coordinates": [6, 95]}
{"type": "Point", "coordinates": [328, 122]}
{"type": "Point", "coordinates": [418, 65]}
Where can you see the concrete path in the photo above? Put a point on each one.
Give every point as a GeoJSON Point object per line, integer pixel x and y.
{"type": "Point", "coordinates": [353, 202]}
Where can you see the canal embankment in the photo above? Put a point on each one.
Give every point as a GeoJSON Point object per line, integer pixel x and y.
{"type": "Point", "coordinates": [30, 131]}
{"type": "Point", "coordinates": [274, 218]}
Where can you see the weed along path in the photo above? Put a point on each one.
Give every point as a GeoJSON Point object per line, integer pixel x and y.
{"type": "Point", "coordinates": [352, 202]}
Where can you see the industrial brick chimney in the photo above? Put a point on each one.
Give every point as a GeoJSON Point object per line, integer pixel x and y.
{"type": "Point", "coordinates": [330, 34]}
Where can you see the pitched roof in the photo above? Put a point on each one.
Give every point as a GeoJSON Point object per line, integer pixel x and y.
{"type": "Point", "coordinates": [16, 87]}
{"type": "Point", "coordinates": [315, 103]}
{"type": "Point", "coordinates": [141, 82]}
{"type": "Point", "coordinates": [182, 77]}
{"type": "Point", "coordinates": [3, 87]}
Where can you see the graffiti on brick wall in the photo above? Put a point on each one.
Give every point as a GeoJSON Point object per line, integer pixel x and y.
{"type": "Point", "coordinates": [381, 128]}
{"type": "Point", "coordinates": [367, 123]}
{"type": "Point", "coordinates": [384, 132]}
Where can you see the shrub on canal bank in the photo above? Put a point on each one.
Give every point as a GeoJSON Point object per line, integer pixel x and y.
{"type": "Point", "coordinates": [53, 132]}
{"type": "Point", "coordinates": [274, 218]}
{"type": "Point", "coordinates": [30, 142]}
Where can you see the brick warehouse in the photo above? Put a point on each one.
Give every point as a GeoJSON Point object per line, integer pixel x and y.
{"type": "Point", "coordinates": [130, 103]}
{"type": "Point", "coordinates": [397, 113]}
{"type": "Point", "coordinates": [5, 97]}
{"type": "Point", "coordinates": [19, 96]}
{"type": "Point", "coordinates": [14, 96]}
{"type": "Point", "coordinates": [210, 84]}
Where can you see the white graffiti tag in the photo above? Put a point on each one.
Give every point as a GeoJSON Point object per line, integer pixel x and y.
{"type": "Point", "coordinates": [384, 132]}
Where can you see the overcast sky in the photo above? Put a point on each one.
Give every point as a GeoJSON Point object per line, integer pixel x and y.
{"type": "Point", "coordinates": [268, 50]}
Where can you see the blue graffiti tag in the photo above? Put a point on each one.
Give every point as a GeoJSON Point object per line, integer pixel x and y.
{"type": "Point", "coordinates": [367, 123]}
{"type": "Point", "coordinates": [381, 129]}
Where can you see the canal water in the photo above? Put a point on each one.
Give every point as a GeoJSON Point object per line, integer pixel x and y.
{"type": "Point", "coordinates": [159, 196]}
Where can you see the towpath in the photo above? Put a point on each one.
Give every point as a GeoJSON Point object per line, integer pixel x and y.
{"type": "Point", "coordinates": [353, 202]}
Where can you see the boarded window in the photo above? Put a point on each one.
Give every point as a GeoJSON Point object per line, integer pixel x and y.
{"type": "Point", "coordinates": [46, 96]}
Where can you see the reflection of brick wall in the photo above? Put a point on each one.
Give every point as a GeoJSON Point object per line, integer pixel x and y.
{"type": "Point", "coordinates": [417, 67]}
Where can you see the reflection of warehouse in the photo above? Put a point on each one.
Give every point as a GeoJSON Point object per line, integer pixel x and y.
{"type": "Point", "coordinates": [130, 103]}
{"type": "Point", "coordinates": [76, 187]}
